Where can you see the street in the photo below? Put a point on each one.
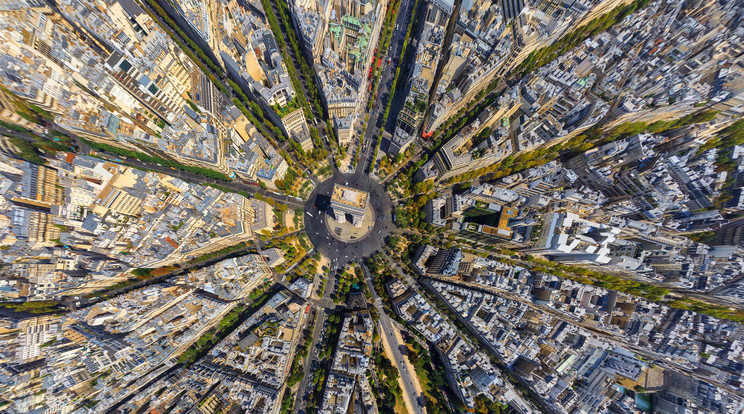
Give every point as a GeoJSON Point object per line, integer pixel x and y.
{"type": "Point", "coordinates": [413, 400]}
{"type": "Point", "coordinates": [374, 130]}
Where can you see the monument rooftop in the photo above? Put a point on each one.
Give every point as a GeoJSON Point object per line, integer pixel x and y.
{"type": "Point", "coordinates": [350, 197]}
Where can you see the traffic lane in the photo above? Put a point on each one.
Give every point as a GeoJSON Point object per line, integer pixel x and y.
{"type": "Point", "coordinates": [319, 322]}
{"type": "Point", "coordinates": [386, 327]}
{"type": "Point", "coordinates": [405, 374]}
{"type": "Point", "coordinates": [387, 75]}
{"type": "Point", "coordinates": [190, 177]}
{"type": "Point", "coordinates": [403, 19]}
{"type": "Point", "coordinates": [201, 180]}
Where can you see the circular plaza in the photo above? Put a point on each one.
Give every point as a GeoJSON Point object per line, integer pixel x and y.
{"type": "Point", "coordinates": [347, 216]}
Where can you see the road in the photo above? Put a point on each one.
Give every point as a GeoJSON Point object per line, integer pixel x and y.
{"type": "Point", "coordinates": [294, 61]}
{"type": "Point", "coordinates": [318, 206]}
{"type": "Point", "coordinates": [338, 252]}
{"type": "Point", "coordinates": [413, 400]}
{"type": "Point", "coordinates": [235, 185]}
{"type": "Point", "coordinates": [675, 291]}
{"type": "Point", "coordinates": [322, 306]}
{"type": "Point", "coordinates": [396, 45]}
{"type": "Point", "coordinates": [383, 92]}
{"type": "Point", "coordinates": [311, 352]}
{"type": "Point", "coordinates": [280, 141]}
{"type": "Point", "coordinates": [342, 252]}
{"type": "Point", "coordinates": [83, 302]}
{"type": "Point", "coordinates": [249, 187]}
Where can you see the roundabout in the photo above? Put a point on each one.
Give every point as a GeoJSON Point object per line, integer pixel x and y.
{"type": "Point", "coordinates": [338, 238]}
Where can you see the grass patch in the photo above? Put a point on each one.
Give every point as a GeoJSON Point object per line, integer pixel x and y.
{"type": "Point", "coordinates": [27, 151]}
{"type": "Point", "coordinates": [431, 377]}
{"type": "Point", "coordinates": [716, 311]}
{"type": "Point", "coordinates": [35, 306]}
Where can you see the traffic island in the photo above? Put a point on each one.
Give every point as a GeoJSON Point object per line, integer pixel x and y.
{"type": "Point", "coordinates": [347, 232]}
{"type": "Point", "coordinates": [351, 217]}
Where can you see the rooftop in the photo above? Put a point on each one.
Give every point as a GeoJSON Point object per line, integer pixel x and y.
{"type": "Point", "coordinates": [350, 197]}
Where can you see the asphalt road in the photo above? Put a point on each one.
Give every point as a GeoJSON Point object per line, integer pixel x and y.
{"type": "Point", "coordinates": [237, 184]}
{"type": "Point", "coordinates": [312, 351]}
{"type": "Point", "coordinates": [405, 375]}
{"type": "Point", "coordinates": [340, 253]}
{"type": "Point", "coordinates": [396, 45]}
{"type": "Point", "coordinates": [388, 74]}
{"type": "Point", "coordinates": [82, 301]}
{"type": "Point", "coordinates": [659, 359]}
{"type": "Point", "coordinates": [387, 329]}
{"type": "Point", "coordinates": [316, 344]}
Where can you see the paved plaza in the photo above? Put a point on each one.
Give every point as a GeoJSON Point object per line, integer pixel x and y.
{"type": "Point", "coordinates": [346, 231]}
